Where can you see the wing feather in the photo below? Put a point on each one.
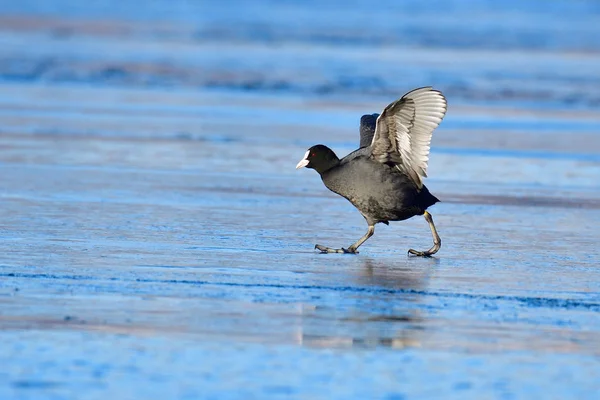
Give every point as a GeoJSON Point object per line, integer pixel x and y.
{"type": "Point", "coordinates": [403, 131]}
{"type": "Point", "coordinates": [367, 129]}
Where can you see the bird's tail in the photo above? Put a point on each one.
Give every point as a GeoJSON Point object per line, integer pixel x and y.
{"type": "Point", "coordinates": [426, 199]}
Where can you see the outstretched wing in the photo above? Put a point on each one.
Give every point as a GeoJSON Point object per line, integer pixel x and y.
{"type": "Point", "coordinates": [367, 129]}
{"type": "Point", "coordinates": [403, 132]}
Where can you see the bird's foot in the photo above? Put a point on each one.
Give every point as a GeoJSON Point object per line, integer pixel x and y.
{"type": "Point", "coordinates": [325, 249]}
{"type": "Point", "coordinates": [421, 253]}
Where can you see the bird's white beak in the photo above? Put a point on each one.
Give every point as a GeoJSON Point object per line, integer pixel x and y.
{"type": "Point", "coordinates": [304, 162]}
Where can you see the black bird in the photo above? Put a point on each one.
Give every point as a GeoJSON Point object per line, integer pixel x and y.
{"type": "Point", "coordinates": [384, 177]}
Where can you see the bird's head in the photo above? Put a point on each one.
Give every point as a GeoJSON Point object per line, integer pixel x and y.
{"type": "Point", "coordinates": [320, 158]}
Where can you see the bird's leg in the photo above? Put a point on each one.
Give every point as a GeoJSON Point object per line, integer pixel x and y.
{"type": "Point", "coordinates": [352, 249]}
{"type": "Point", "coordinates": [437, 242]}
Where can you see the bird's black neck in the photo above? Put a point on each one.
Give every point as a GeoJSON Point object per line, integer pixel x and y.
{"type": "Point", "coordinates": [323, 168]}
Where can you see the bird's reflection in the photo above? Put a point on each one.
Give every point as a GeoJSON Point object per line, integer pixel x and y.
{"type": "Point", "coordinates": [404, 275]}
{"type": "Point", "coordinates": [381, 307]}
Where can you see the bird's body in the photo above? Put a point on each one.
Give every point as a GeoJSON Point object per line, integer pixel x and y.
{"type": "Point", "coordinates": [383, 179]}
{"type": "Point", "coordinates": [381, 193]}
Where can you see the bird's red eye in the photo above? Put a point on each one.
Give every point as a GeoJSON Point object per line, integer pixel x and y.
{"type": "Point", "coordinates": [312, 154]}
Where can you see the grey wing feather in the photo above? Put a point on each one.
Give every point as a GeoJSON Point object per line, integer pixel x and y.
{"type": "Point", "coordinates": [404, 129]}
{"type": "Point", "coordinates": [367, 129]}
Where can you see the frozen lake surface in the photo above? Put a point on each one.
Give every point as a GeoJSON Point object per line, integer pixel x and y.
{"type": "Point", "coordinates": [156, 241]}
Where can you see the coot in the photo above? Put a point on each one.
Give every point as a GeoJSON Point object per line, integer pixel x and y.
{"type": "Point", "coordinates": [383, 179]}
